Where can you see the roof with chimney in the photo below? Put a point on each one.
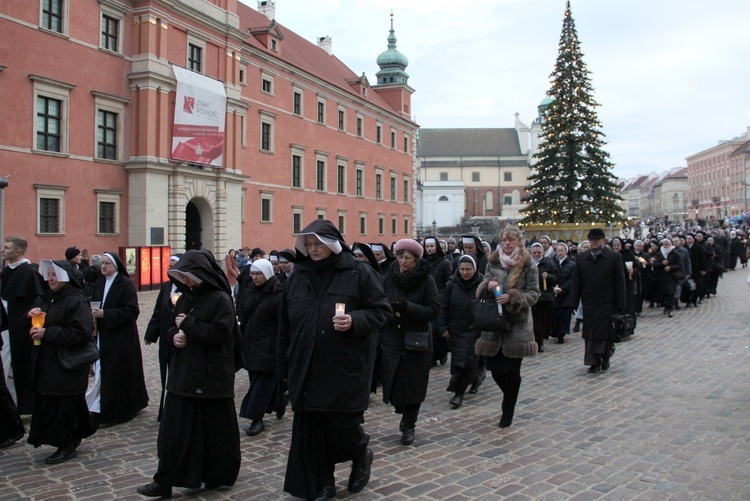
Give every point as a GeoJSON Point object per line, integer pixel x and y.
{"type": "Point", "coordinates": [468, 143]}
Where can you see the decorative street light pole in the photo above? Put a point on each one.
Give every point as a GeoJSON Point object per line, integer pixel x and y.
{"type": "Point", "coordinates": [3, 185]}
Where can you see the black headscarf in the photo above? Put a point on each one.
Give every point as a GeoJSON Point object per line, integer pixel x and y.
{"type": "Point", "coordinates": [202, 264]}
{"type": "Point", "coordinates": [439, 251]}
{"type": "Point", "coordinates": [321, 228]}
{"type": "Point", "coordinates": [367, 251]}
{"type": "Point", "coordinates": [74, 285]}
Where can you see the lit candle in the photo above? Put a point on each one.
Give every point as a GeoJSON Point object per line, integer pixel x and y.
{"type": "Point", "coordinates": [174, 297]}
{"type": "Point", "coordinates": [499, 292]}
{"type": "Point", "coordinates": [340, 309]}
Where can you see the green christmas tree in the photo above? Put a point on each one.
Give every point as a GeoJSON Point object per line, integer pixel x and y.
{"type": "Point", "coordinates": [572, 180]}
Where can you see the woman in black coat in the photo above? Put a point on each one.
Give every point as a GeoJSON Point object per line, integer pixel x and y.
{"type": "Point", "coordinates": [441, 270]}
{"type": "Point", "coordinates": [326, 355]}
{"type": "Point", "coordinates": [540, 312]}
{"type": "Point", "coordinates": [667, 271]}
{"type": "Point", "coordinates": [119, 390]}
{"type": "Point", "coordinates": [564, 267]}
{"type": "Point", "coordinates": [415, 303]}
{"type": "Point", "coordinates": [454, 324]}
{"type": "Point", "coordinates": [714, 256]}
{"type": "Point", "coordinates": [60, 417]}
{"type": "Point", "coordinates": [632, 268]}
{"type": "Point", "coordinates": [259, 310]}
{"type": "Point", "coordinates": [199, 439]}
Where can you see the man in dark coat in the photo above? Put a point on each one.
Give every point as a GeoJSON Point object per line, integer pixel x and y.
{"type": "Point", "coordinates": [199, 439]}
{"type": "Point", "coordinates": [332, 308]}
{"type": "Point", "coordinates": [158, 328]}
{"type": "Point", "coordinates": [599, 282]}
{"type": "Point", "coordinates": [21, 285]}
{"type": "Point", "coordinates": [11, 427]}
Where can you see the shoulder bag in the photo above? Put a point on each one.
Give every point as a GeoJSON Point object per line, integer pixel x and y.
{"type": "Point", "coordinates": [623, 325]}
{"type": "Point", "coordinates": [76, 357]}
{"type": "Point", "coordinates": [417, 340]}
{"type": "Point", "coordinates": [485, 317]}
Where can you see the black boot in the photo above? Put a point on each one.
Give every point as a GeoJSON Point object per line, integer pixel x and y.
{"type": "Point", "coordinates": [510, 397]}
{"type": "Point", "coordinates": [577, 326]}
{"type": "Point", "coordinates": [457, 401]}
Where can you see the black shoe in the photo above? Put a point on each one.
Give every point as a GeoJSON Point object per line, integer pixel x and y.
{"type": "Point", "coordinates": [456, 401]}
{"type": "Point", "coordinates": [505, 421]}
{"type": "Point", "coordinates": [280, 413]}
{"type": "Point", "coordinates": [360, 474]}
{"type": "Point", "coordinates": [605, 364]}
{"type": "Point", "coordinates": [541, 348]}
{"type": "Point", "coordinates": [593, 369]}
{"type": "Point", "coordinates": [12, 440]}
{"type": "Point", "coordinates": [443, 359]}
{"type": "Point", "coordinates": [577, 326]}
{"type": "Point", "coordinates": [155, 490]}
{"type": "Point", "coordinates": [670, 314]}
{"type": "Point", "coordinates": [407, 437]}
{"type": "Point", "coordinates": [62, 454]}
{"type": "Point", "coordinates": [328, 491]}
{"type": "Point", "coordinates": [256, 427]}
{"type": "Point", "coordinates": [561, 340]}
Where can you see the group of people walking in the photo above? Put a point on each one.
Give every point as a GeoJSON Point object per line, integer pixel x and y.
{"type": "Point", "coordinates": [322, 333]}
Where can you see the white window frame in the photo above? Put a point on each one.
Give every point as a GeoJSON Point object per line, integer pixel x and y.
{"type": "Point", "coordinates": [321, 157]}
{"type": "Point", "coordinates": [362, 218]}
{"type": "Point", "coordinates": [113, 10]}
{"type": "Point", "coordinates": [65, 18]}
{"type": "Point", "coordinates": [266, 195]}
{"type": "Point", "coordinates": [320, 213]}
{"type": "Point", "coordinates": [360, 125]}
{"type": "Point", "coordinates": [378, 176]}
{"type": "Point", "coordinates": [112, 197]}
{"type": "Point", "coordinates": [265, 76]}
{"type": "Point", "coordinates": [56, 192]}
{"type": "Point", "coordinates": [378, 133]}
{"type": "Point", "coordinates": [301, 92]}
{"type": "Point", "coordinates": [381, 224]}
{"type": "Point", "coordinates": [270, 119]}
{"type": "Point", "coordinates": [340, 162]}
{"type": "Point", "coordinates": [342, 125]}
{"type": "Point", "coordinates": [299, 211]}
{"type": "Point", "coordinates": [394, 187]}
{"type": "Point", "coordinates": [393, 138]}
{"type": "Point", "coordinates": [300, 152]}
{"type": "Point", "coordinates": [394, 224]}
{"type": "Point", "coordinates": [360, 168]}
{"type": "Point", "coordinates": [243, 75]}
{"type": "Point", "coordinates": [46, 87]}
{"type": "Point", "coordinates": [193, 40]}
{"type": "Point", "coordinates": [113, 104]}
{"type": "Point", "coordinates": [321, 100]}
{"type": "Point", "coordinates": [341, 226]}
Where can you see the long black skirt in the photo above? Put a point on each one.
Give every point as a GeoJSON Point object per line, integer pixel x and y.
{"type": "Point", "coordinates": [319, 441]}
{"type": "Point", "coordinates": [199, 442]}
{"type": "Point", "coordinates": [60, 420]}
{"type": "Point", "coordinates": [596, 351]}
{"type": "Point", "coordinates": [11, 425]}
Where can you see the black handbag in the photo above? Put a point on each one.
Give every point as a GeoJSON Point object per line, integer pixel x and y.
{"type": "Point", "coordinates": [416, 340]}
{"type": "Point", "coordinates": [623, 325]}
{"type": "Point", "coordinates": [485, 317]}
{"type": "Point", "coordinates": [76, 357]}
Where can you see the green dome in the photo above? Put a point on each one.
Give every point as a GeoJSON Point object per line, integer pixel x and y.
{"type": "Point", "coordinates": [546, 102]}
{"type": "Point", "coordinates": [392, 63]}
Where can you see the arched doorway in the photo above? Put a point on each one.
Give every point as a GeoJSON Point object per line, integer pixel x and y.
{"type": "Point", "coordinates": [193, 227]}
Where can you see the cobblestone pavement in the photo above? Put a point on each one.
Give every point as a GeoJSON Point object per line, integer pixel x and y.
{"type": "Point", "coordinates": [669, 420]}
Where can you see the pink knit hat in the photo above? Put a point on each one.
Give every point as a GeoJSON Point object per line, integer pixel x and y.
{"type": "Point", "coordinates": [409, 244]}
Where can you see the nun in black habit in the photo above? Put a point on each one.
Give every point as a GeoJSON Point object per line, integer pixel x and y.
{"type": "Point", "coordinates": [199, 440]}
{"type": "Point", "coordinates": [60, 417]}
{"type": "Point", "coordinates": [119, 389]}
{"type": "Point", "coordinates": [326, 356]}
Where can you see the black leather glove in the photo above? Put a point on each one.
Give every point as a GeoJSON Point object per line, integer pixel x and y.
{"type": "Point", "coordinates": [398, 306]}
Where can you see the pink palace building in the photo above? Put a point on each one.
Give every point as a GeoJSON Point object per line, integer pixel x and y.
{"type": "Point", "coordinates": [193, 123]}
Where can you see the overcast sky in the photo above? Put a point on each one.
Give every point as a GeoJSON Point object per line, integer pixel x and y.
{"type": "Point", "coordinates": [672, 76]}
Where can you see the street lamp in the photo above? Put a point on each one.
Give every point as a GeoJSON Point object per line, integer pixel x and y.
{"type": "Point", "coordinates": [3, 185]}
{"type": "Point", "coordinates": [434, 228]}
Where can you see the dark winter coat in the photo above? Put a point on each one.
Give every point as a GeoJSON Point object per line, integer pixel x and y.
{"type": "Point", "coordinates": [406, 372]}
{"type": "Point", "coordinates": [667, 280]}
{"type": "Point", "coordinates": [440, 269]}
{"type": "Point", "coordinates": [20, 287]}
{"type": "Point", "coordinates": [158, 326]}
{"type": "Point", "coordinates": [259, 311]}
{"type": "Point", "coordinates": [697, 259]}
{"type": "Point", "coordinates": [123, 391]}
{"type": "Point", "coordinates": [328, 370]}
{"type": "Point", "coordinates": [68, 325]}
{"type": "Point", "coordinates": [205, 366]}
{"type": "Point", "coordinates": [600, 286]}
{"type": "Point", "coordinates": [455, 317]}
{"type": "Point", "coordinates": [564, 273]}
{"type": "Point", "coordinates": [547, 295]}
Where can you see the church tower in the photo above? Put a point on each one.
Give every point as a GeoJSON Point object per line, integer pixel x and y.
{"type": "Point", "coordinates": [392, 78]}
